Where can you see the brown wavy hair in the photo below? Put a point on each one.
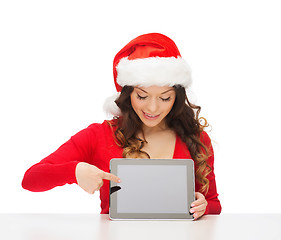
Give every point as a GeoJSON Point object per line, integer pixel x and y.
{"type": "Point", "coordinates": [183, 119]}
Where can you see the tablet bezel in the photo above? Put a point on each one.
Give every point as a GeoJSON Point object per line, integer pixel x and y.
{"type": "Point", "coordinates": [114, 215]}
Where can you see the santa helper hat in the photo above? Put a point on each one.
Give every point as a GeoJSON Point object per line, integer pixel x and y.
{"type": "Point", "coordinates": [149, 59]}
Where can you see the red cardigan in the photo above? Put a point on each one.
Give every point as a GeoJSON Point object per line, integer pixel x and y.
{"type": "Point", "coordinates": [95, 145]}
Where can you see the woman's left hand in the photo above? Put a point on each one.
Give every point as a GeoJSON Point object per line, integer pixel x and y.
{"type": "Point", "coordinates": [198, 207]}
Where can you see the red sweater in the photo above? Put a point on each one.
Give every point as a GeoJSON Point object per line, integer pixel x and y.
{"type": "Point", "coordinates": [95, 145]}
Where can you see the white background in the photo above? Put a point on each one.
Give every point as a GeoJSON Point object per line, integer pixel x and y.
{"type": "Point", "coordinates": [56, 71]}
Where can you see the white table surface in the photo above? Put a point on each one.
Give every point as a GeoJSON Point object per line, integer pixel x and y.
{"type": "Point", "coordinates": [97, 226]}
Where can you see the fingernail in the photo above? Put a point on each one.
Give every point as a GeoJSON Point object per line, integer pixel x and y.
{"type": "Point", "coordinates": [119, 180]}
{"type": "Point", "coordinates": [192, 205]}
{"type": "Point", "coordinates": [192, 210]}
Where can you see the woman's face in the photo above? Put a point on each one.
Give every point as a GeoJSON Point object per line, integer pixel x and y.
{"type": "Point", "coordinates": [152, 104]}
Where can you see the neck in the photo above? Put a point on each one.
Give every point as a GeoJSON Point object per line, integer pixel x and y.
{"type": "Point", "coordinates": [151, 130]}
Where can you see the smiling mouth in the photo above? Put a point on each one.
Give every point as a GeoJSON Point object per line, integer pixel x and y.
{"type": "Point", "coordinates": [149, 116]}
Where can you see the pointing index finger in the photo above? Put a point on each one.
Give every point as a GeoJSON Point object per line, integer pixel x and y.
{"type": "Point", "coordinates": [111, 177]}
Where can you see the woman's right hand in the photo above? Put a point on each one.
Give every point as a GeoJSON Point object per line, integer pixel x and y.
{"type": "Point", "coordinates": [90, 178]}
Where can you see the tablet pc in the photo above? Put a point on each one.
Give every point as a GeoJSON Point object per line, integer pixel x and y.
{"type": "Point", "coordinates": [151, 189]}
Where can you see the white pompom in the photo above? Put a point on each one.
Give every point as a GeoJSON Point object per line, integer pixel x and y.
{"type": "Point", "coordinates": [110, 106]}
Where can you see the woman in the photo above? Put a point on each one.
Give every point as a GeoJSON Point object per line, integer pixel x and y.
{"type": "Point", "coordinates": [153, 118]}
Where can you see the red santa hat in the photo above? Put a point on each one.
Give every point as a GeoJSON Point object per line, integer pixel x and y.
{"type": "Point", "coordinates": [149, 59]}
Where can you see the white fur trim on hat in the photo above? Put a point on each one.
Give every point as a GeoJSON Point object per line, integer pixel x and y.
{"type": "Point", "coordinates": [160, 71]}
{"type": "Point", "coordinates": [110, 106]}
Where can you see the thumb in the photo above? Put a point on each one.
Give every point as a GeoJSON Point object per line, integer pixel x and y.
{"type": "Point", "coordinates": [111, 177]}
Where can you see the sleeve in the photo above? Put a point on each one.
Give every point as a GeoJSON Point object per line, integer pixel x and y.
{"type": "Point", "coordinates": [214, 206]}
{"type": "Point", "coordinates": [58, 168]}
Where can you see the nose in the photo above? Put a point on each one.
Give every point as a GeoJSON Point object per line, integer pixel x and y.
{"type": "Point", "coordinates": [152, 106]}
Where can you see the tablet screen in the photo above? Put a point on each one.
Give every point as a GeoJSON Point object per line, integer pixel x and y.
{"type": "Point", "coordinates": [152, 189]}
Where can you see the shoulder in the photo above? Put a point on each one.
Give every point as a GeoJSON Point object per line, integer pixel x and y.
{"type": "Point", "coordinates": [204, 137]}
{"type": "Point", "coordinates": [206, 140]}
{"type": "Point", "coordinates": [95, 132]}
{"type": "Point", "coordinates": [108, 126]}
{"type": "Point", "coordinates": [105, 126]}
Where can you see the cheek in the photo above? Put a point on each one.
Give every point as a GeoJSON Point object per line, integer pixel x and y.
{"type": "Point", "coordinates": [169, 106]}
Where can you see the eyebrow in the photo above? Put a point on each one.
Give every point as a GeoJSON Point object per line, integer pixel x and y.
{"type": "Point", "coordinates": [161, 93]}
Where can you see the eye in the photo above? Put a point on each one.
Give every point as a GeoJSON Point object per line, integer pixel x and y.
{"type": "Point", "coordinates": [166, 99]}
{"type": "Point", "coordinates": [140, 97]}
